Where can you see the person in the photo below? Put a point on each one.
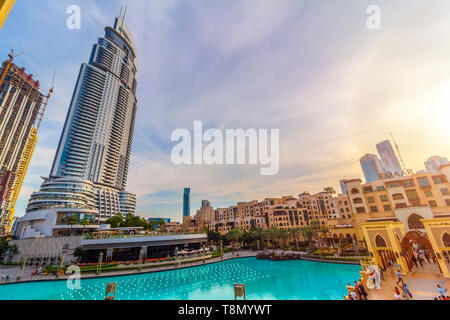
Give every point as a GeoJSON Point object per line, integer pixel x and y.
{"type": "Point", "coordinates": [353, 294]}
{"type": "Point", "coordinates": [358, 290]}
{"type": "Point", "coordinates": [380, 270]}
{"type": "Point", "coordinates": [391, 267]}
{"type": "Point", "coordinates": [442, 290]}
{"type": "Point", "coordinates": [419, 259]}
{"type": "Point", "coordinates": [406, 293]}
{"type": "Point", "coordinates": [399, 277]}
{"type": "Point", "coordinates": [427, 255]}
{"type": "Point", "coordinates": [422, 257]}
{"type": "Point", "coordinates": [397, 294]}
{"type": "Point", "coordinates": [362, 290]}
{"type": "Point", "coordinates": [414, 260]}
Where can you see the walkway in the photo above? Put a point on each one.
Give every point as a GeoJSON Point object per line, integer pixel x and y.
{"type": "Point", "coordinates": [422, 284]}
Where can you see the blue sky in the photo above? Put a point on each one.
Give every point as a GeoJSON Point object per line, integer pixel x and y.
{"type": "Point", "coordinates": [309, 68]}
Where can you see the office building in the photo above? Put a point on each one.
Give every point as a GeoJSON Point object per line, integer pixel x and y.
{"type": "Point", "coordinates": [187, 202]}
{"type": "Point", "coordinates": [388, 158]}
{"type": "Point", "coordinates": [434, 163]}
{"type": "Point", "coordinates": [372, 167]}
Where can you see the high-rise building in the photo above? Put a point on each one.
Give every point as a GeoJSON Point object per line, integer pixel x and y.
{"type": "Point", "coordinates": [20, 105]}
{"type": "Point", "coordinates": [372, 167]}
{"type": "Point", "coordinates": [433, 163]}
{"type": "Point", "coordinates": [388, 158]}
{"type": "Point", "coordinates": [187, 202]}
{"type": "Point", "coordinates": [89, 172]}
{"type": "Point", "coordinates": [343, 187]}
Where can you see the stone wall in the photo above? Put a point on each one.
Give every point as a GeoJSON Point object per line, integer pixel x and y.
{"type": "Point", "coordinates": [47, 250]}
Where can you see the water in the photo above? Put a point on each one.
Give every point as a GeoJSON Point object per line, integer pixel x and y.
{"type": "Point", "coordinates": [264, 280]}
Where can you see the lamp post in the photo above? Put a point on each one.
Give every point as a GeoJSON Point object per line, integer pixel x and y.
{"type": "Point", "coordinates": [22, 269]}
{"type": "Point", "coordinates": [140, 260]}
{"type": "Point", "coordinates": [99, 265]}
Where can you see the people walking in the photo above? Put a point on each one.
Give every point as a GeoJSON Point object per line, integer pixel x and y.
{"type": "Point", "coordinates": [362, 290]}
{"type": "Point", "coordinates": [397, 295]}
{"type": "Point", "coordinates": [399, 277]}
{"type": "Point", "coordinates": [442, 290]}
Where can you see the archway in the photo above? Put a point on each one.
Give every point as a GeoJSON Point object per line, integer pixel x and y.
{"type": "Point", "coordinates": [414, 237]}
{"type": "Point", "coordinates": [414, 222]}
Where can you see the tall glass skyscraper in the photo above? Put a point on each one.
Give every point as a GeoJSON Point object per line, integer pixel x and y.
{"type": "Point", "coordinates": [187, 202]}
{"type": "Point", "coordinates": [372, 167]}
{"type": "Point", "coordinates": [90, 168]}
{"type": "Point", "coordinates": [388, 158]}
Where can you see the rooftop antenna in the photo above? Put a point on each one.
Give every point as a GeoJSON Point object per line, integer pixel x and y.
{"type": "Point", "coordinates": [47, 98]}
{"type": "Point", "coordinates": [399, 154]}
{"type": "Point", "coordinates": [124, 15]}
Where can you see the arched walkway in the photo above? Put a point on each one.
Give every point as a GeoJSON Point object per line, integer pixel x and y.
{"type": "Point", "coordinates": [414, 237]}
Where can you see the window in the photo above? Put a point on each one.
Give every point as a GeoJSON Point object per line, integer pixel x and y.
{"type": "Point", "coordinates": [354, 191]}
{"type": "Point", "coordinates": [412, 195]}
{"type": "Point", "coordinates": [445, 192]}
{"type": "Point", "coordinates": [408, 184]}
{"type": "Point", "coordinates": [370, 200]}
{"type": "Point", "coordinates": [360, 210]}
{"type": "Point", "coordinates": [446, 239]}
{"type": "Point", "coordinates": [384, 198]}
{"type": "Point", "coordinates": [379, 241]}
{"type": "Point", "coordinates": [398, 196]}
{"type": "Point", "coordinates": [357, 201]}
{"type": "Point", "coordinates": [380, 188]}
{"type": "Point", "coordinates": [414, 222]}
{"type": "Point", "coordinates": [387, 207]}
{"type": "Point", "coordinates": [400, 205]}
{"type": "Point", "coordinates": [423, 182]}
{"type": "Point", "coordinates": [432, 203]}
{"type": "Point", "coordinates": [393, 185]}
{"type": "Point", "coordinates": [428, 193]}
{"type": "Point", "coordinates": [373, 209]}
{"type": "Point", "coordinates": [447, 202]}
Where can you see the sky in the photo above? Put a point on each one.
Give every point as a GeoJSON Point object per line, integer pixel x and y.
{"type": "Point", "coordinates": [311, 69]}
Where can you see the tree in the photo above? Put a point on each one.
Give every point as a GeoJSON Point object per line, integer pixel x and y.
{"type": "Point", "coordinates": [329, 190]}
{"type": "Point", "coordinates": [85, 223]}
{"type": "Point", "coordinates": [234, 236]}
{"type": "Point", "coordinates": [73, 220]}
{"type": "Point", "coordinates": [213, 236]}
{"type": "Point", "coordinates": [115, 221]}
{"type": "Point", "coordinates": [307, 232]}
{"type": "Point", "coordinates": [295, 233]}
{"type": "Point", "coordinates": [78, 252]}
{"type": "Point", "coordinates": [283, 236]}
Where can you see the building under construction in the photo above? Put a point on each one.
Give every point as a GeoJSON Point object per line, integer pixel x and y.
{"type": "Point", "coordinates": [20, 108]}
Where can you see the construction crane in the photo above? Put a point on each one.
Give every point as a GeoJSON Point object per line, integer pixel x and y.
{"type": "Point", "coordinates": [44, 105]}
{"type": "Point", "coordinates": [399, 154]}
{"type": "Point", "coordinates": [8, 65]}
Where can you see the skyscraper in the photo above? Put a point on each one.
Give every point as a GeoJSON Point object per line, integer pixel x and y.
{"type": "Point", "coordinates": [187, 202]}
{"type": "Point", "coordinates": [372, 167]}
{"type": "Point", "coordinates": [433, 163]}
{"type": "Point", "coordinates": [90, 168]}
{"type": "Point", "coordinates": [388, 158]}
{"type": "Point", "coordinates": [20, 104]}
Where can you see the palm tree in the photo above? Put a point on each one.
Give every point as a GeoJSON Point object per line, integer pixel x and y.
{"type": "Point", "coordinates": [324, 231]}
{"type": "Point", "coordinates": [234, 236]}
{"type": "Point", "coordinates": [283, 236]}
{"type": "Point", "coordinates": [85, 223]}
{"type": "Point", "coordinates": [329, 190]}
{"type": "Point", "coordinates": [73, 220]}
{"type": "Point", "coordinates": [295, 232]}
{"type": "Point", "coordinates": [307, 232]}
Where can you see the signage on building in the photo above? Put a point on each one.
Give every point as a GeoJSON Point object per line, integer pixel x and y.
{"type": "Point", "coordinates": [389, 175]}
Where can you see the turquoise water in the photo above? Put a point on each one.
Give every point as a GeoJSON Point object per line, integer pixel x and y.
{"type": "Point", "coordinates": [264, 280]}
